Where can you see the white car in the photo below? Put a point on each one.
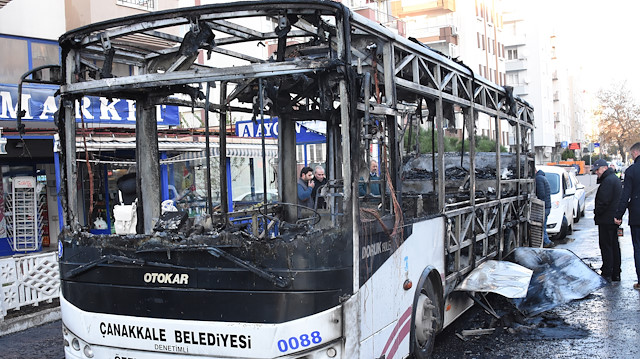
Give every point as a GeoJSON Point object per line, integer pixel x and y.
{"type": "Point", "coordinates": [560, 220]}
{"type": "Point", "coordinates": [578, 197]}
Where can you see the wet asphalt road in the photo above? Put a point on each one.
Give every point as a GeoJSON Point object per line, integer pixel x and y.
{"type": "Point", "coordinates": [605, 324]}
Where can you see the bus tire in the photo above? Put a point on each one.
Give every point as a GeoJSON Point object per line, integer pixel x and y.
{"type": "Point", "coordinates": [427, 319]}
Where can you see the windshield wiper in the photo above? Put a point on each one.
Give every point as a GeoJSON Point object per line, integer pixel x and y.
{"type": "Point", "coordinates": [277, 280]}
{"type": "Point", "coordinates": [110, 258]}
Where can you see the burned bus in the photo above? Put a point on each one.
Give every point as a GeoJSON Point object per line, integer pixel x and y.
{"type": "Point", "coordinates": [368, 274]}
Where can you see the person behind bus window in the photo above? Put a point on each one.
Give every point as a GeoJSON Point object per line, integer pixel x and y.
{"type": "Point", "coordinates": [374, 188]}
{"type": "Point", "coordinates": [305, 187]}
{"type": "Point", "coordinates": [318, 180]}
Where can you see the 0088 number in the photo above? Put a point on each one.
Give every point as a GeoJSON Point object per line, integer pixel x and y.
{"type": "Point", "coordinates": [302, 341]}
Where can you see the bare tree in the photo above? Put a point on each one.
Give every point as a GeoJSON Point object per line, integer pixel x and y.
{"type": "Point", "coordinates": [618, 118]}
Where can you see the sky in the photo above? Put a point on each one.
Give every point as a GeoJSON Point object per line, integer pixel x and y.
{"type": "Point", "coordinates": [601, 38]}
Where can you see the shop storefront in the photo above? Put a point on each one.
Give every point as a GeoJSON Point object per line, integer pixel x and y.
{"type": "Point", "coordinates": [30, 222]}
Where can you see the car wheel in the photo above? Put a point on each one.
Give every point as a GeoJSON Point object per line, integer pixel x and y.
{"type": "Point", "coordinates": [582, 212]}
{"type": "Point", "coordinates": [576, 217]}
{"type": "Point", "coordinates": [564, 228]}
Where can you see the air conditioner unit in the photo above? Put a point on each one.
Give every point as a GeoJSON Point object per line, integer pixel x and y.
{"type": "Point", "coordinates": [454, 30]}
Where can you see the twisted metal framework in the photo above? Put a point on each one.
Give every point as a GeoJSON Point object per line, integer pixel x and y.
{"type": "Point", "coordinates": [322, 75]}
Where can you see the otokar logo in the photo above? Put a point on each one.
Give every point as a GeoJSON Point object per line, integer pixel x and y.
{"type": "Point", "coordinates": [166, 278]}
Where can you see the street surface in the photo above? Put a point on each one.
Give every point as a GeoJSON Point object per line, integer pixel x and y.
{"type": "Point", "coordinates": [606, 324]}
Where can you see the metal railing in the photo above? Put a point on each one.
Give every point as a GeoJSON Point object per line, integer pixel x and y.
{"type": "Point", "coordinates": [28, 280]}
{"type": "Point", "coordinates": [149, 5]}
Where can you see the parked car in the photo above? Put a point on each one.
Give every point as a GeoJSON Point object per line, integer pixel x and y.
{"type": "Point", "coordinates": [248, 199]}
{"type": "Point", "coordinates": [560, 220]}
{"type": "Point", "coordinates": [578, 197]}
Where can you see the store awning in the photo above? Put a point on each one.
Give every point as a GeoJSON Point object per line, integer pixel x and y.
{"type": "Point", "coordinates": [183, 147]}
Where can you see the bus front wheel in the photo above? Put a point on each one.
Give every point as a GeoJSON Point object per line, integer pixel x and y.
{"type": "Point", "coordinates": [427, 321]}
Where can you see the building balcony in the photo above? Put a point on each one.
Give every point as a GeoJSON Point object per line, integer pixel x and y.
{"type": "Point", "coordinates": [436, 34]}
{"type": "Point", "coordinates": [384, 19]}
{"type": "Point", "coordinates": [428, 8]}
{"type": "Point", "coordinates": [521, 89]}
{"type": "Point", "coordinates": [516, 65]}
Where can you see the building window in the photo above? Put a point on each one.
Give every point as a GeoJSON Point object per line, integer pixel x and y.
{"type": "Point", "coordinates": [483, 42]}
{"type": "Point", "coordinates": [148, 5]}
{"type": "Point", "coordinates": [513, 79]}
{"type": "Point", "coordinates": [15, 58]}
{"type": "Point", "coordinates": [479, 46]}
{"type": "Point", "coordinates": [512, 54]}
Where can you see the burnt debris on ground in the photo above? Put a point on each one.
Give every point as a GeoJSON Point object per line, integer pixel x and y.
{"type": "Point", "coordinates": [512, 326]}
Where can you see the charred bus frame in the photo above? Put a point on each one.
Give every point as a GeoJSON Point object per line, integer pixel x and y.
{"type": "Point", "coordinates": [373, 89]}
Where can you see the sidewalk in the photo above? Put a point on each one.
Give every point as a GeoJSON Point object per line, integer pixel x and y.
{"type": "Point", "coordinates": [29, 317]}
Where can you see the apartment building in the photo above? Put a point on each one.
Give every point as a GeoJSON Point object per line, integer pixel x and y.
{"type": "Point", "coordinates": [530, 72]}
{"type": "Point", "coordinates": [470, 31]}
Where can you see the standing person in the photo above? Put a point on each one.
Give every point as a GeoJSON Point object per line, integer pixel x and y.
{"type": "Point", "coordinates": [630, 198]}
{"type": "Point", "coordinates": [305, 186]}
{"type": "Point", "coordinates": [543, 192]}
{"type": "Point", "coordinates": [374, 188]}
{"type": "Point", "coordinates": [606, 204]}
{"type": "Point", "coordinates": [319, 180]}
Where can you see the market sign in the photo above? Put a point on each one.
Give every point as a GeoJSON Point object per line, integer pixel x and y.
{"type": "Point", "coordinates": [574, 146]}
{"type": "Point", "coordinates": [40, 105]}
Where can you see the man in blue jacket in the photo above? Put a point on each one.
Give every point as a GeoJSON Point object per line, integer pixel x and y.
{"type": "Point", "coordinates": [630, 198]}
{"type": "Point", "coordinates": [606, 203]}
{"type": "Point", "coordinates": [305, 187]}
{"type": "Point", "coordinates": [543, 192]}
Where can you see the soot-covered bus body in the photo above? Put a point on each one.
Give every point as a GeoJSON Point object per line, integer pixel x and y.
{"type": "Point", "coordinates": [366, 275]}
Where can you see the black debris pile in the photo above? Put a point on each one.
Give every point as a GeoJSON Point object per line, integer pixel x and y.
{"type": "Point", "coordinates": [418, 174]}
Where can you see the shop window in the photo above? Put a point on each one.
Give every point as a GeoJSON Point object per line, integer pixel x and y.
{"type": "Point", "coordinates": [44, 54]}
{"type": "Point", "coordinates": [14, 59]}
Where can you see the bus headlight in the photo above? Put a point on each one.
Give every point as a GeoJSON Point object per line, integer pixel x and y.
{"type": "Point", "coordinates": [75, 344]}
{"type": "Point", "coordinates": [88, 352]}
{"type": "Point", "coordinates": [331, 352]}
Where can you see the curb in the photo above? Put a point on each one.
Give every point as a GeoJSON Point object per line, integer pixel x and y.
{"type": "Point", "coordinates": [14, 325]}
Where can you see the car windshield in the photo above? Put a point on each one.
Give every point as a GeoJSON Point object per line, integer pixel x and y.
{"type": "Point", "coordinates": [554, 182]}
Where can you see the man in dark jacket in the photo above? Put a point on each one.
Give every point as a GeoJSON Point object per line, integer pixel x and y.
{"type": "Point", "coordinates": [319, 180]}
{"type": "Point", "coordinates": [305, 186]}
{"type": "Point", "coordinates": [543, 192]}
{"type": "Point", "coordinates": [607, 199]}
{"type": "Point", "coordinates": [630, 198]}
